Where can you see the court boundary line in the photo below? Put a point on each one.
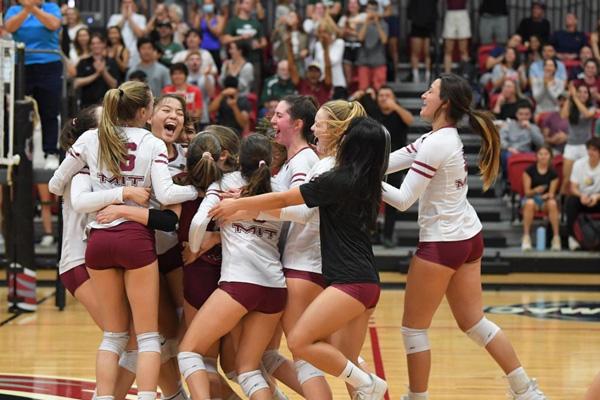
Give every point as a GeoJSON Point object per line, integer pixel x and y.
{"type": "Point", "coordinates": [377, 359]}
{"type": "Point", "coordinates": [17, 315]}
{"type": "Point", "coordinates": [534, 287]}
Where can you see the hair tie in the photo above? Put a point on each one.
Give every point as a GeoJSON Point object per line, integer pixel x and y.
{"type": "Point", "coordinates": [207, 154]}
{"type": "Point", "coordinates": [261, 163]}
{"type": "Point", "coordinates": [74, 121]}
{"type": "Point", "coordinates": [121, 92]}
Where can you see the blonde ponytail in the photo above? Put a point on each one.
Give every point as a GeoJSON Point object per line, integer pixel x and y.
{"type": "Point", "coordinates": [482, 123]}
{"type": "Point", "coordinates": [341, 113]}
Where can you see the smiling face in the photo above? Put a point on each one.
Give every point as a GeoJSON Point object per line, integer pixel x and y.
{"type": "Point", "coordinates": [432, 101]}
{"type": "Point", "coordinates": [167, 120]}
{"type": "Point", "coordinates": [590, 69]}
{"type": "Point", "coordinates": [283, 124]}
{"type": "Point", "coordinates": [83, 37]}
{"type": "Point", "coordinates": [319, 129]}
{"type": "Point", "coordinates": [97, 46]}
{"type": "Point", "coordinates": [193, 40]}
{"type": "Point", "coordinates": [549, 67]}
{"type": "Point", "coordinates": [510, 56]}
{"type": "Point", "coordinates": [583, 94]}
{"type": "Point", "coordinates": [114, 35]}
{"type": "Point", "coordinates": [593, 154]}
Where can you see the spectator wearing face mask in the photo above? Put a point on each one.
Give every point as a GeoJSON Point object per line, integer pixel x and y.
{"type": "Point", "coordinates": [211, 26]}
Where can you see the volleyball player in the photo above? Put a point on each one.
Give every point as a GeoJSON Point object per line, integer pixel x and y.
{"type": "Point", "coordinates": [348, 198]}
{"type": "Point", "coordinates": [121, 256]}
{"type": "Point", "coordinates": [252, 284]}
{"type": "Point", "coordinates": [448, 257]}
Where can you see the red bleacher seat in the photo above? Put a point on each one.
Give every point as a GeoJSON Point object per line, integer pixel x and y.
{"type": "Point", "coordinates": [482, 54]}
{"type": "Point", "coordinates": [570, 64]}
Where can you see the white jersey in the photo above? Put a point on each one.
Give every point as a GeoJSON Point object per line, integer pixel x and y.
{"type": "Point", "coordinates": [79, 200]}
{"type": "Point", "coordinates": [250, 251]}
{"type": "Point", "coordinates": [438, 179]}
{"type": "Point", "coordinates": [293, 173]}
{"type": "Point", "coordinates": [146, 166]}
{"type": "Point", "coordinates": [303, 247]}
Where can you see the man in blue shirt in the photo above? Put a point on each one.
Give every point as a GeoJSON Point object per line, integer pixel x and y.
{"type": "Point", "coordinates": [569, 41]}
{"type": "Point", "coordinates": [37, 23]}
{"type": "Point", "coordinates": [536, 69]}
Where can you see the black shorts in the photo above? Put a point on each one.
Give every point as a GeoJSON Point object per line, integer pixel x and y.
{"type": "Point", "coordinates": [393, 26]}
{"type": "Point", "coordinates": [420, 32]}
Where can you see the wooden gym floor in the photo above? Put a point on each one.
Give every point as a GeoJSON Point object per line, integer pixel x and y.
{"type": "Point", "coordinates": [564, 354]}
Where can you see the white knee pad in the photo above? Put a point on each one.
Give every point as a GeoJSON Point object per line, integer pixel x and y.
{"type": "Point", "coordinates": [306, 371]}
{"type": "Point", "coordinates": [232, 376]}
{"type": "Point", "coordinates": [415, 340]}
{"type": "Point", "coordinates": [189, 363]}
{"type": "Point", "coordinates": [114, 342]}
{"type": "Point", "coordinates": [148, 342]}
{"type": "Point", "coordinates": [128, 360]}
{"type": "Point", "coordinates": [251, 382]}
{"type": "Point", "coordinates": [272, 360]}
{"type": "Point", "coordinates": [483, 332]}
{"type": "Point", "coordinates": [211, 365]}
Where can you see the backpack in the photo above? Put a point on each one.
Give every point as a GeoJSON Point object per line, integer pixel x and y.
{"type": "Point", "coordinates": [587, 232]}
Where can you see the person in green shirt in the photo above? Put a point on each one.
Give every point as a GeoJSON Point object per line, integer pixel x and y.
{"type": "Point", "coordinates": [166, 43]}
{"type": "Point", "coordinates": [278, 85]}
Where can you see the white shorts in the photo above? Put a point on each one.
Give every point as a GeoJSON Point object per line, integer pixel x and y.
{"type": "Point", "coordinates": [457, 25]}
{"type": "Point", "coordinates": [574, 151]}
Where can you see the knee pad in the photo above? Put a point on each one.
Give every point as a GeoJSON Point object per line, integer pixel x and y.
{"type": "Point", "coordinates": [114, 342]}
{"type": "Point", "coordinates": [232, 376]}
{"type": "Point", "coordinates": [415, 340]}
{"type": "Point", "coordinates": [189, 363]}
{"type": "Point", "coordinates": [272, 360]}
{"type": "Point", "coordinates": [483, 332]}
{"type": "Point", "coordinates": [306, 371]}
{"type": "Point", "coordinates": [211, 365]}
{"type": "Point", "coordinates": [251, 382]}
{"type": "Point", "coordinates": [128, 360]}
{"type": "Point", "coordinates": [148, 342]}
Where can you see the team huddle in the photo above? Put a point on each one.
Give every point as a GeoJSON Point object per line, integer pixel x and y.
{"type": "Point", "coordinates": [194, 250]}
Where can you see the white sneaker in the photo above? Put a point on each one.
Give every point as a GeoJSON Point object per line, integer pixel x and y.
{"type": "Point", "coordinates": [47, 241]}
{"type": "Point", "coordinates": [526, 243]}
{"type": "Point", "coordinates": [556, 245]}
{"type": "Point", "coordinates": [573, 244]}
{"type": "Point", "coordinates": [52, 162]}
{"type": "Point", "coordinates": [375, 391]}
{"type": "Point", "coordinates": [416, 396]}
{"type": "Point", "coordinates": [533, 392]}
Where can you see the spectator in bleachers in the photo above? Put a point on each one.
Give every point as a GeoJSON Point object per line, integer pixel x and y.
{"type": "Point", "coordinates": [326, 37]}
{"type": "Point", "coordinates": [81, 46]}
{"type": "Point", "coordinates": [193, 42]}
{"type": "Point", "coordinates": [371, 57]}
{"type": "Point", "coordinates": [160, 14]}
{"type": "Point", "coordinates": [457, 28]}
{"type": "Point", "coordinates": [590, 79]}
{"type": "Point", "coordinates": [233, 110]}
{"type": "Point", "coordinates": [493, 24]}
{"type": "Point", "coordinates": [257, 13]}
{"type": "Point", "coordinates": [537, 69]}
{"type": "Point", "coordinates": [576, 72]}
{"type": "Point", "coordinates": [238, 67]}
{"type": "Point", "coordinates": [71, 24]}
{"type": "Point", "coordinates": [289, 25]}
{"type": "Point", "coordinates": [180, 27]}
{"type": "Point", "coordinates": [520, 135]}
{"type": "Point", "coordinates": [580, 111]}
{"type": "Point", "coordinates": [496, 56]}
{"type": "Point", "coordinates": [389, 13]}
{"type": "Point", "coordinates": [243, 29]}
{"type": "Point", "coordinates": [200, 76]}
{"type": "Point", "coordinates": [278, 85]}
{"type": "Point", "coordinates": [165, 42]}
{"type": "Point", "coordinates": [423, 16]}
{"type": "Point", "coordinates": [37, 23]}
{"type": "Point", "coordinates": [133, 27]}
{"type": "Point", "coordinates": [283, 8]}
{"type": "Point", "coordinates": [96, 74]}
{"type": "Point", "coordinates": [537, 24]}
{"type": "Point", "coordinates": [158, 75]}
{"type": "Point", "coordinates": [568, 42]}
{"type": "Point", "coordinates": [585, 188]}
{"type": "Point", "coordinates": [138, 76]}
{"type": "Point", "coordinates": [192, 94]}
{"type": "Point", "coordinates": [211, 25]}
{"type": "Point", "coordinates": [509, 69]}
{"type": "Point", "coordinates": [540, 186]}
{"type": "Point", "coordinates": [506, 102]}
{"type": "Point", "coordinates": [117, 50]}
{"type": "Point", "coordinates": [555, 128]}
{"type": "Point", "coordinates": [347, 30]}
{"type": "Point", "coordinates": [546, 89]}
{"type": "Point", "coordinates": [311, 23]}
{"type": "Point", "coordinates": [595, 41]}
{"type": "Point", "coordinates": [333, 7]}
{"type": "Point", "coordinates": [312, 84]}
{"type": "Point", "coordinates": [534, 51]}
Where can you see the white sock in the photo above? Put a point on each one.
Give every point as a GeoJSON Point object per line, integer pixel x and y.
{"type": "Point", "coordinates": [355, 376]}
{"type": "Point", "coordinates": [518, 380]}
{"type": "Point", "coordinates": [147, 395]}
{"type": "Point", "coordinates": [418, 396]}
{"type": "Point", "coordinates": [105, 397]}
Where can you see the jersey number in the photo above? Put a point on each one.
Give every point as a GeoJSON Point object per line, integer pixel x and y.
{"type": "Point", "coordinates": [129, 163]}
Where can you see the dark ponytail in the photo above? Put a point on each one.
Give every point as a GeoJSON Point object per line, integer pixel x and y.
{"type": "Point", "coordinates": [86, 119]}
{"type": "Point", "coordinates": [202, 156]}
{"type": "Point", "coordinates": [255, 158]}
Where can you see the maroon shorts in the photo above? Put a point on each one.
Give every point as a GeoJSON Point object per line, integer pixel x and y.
{"type": "Point", "coordinates": [129, 245]}
{"type": "Point", "coordinates": [256, 298]}
{"type": "Point", "coordinates": [200, 280]}
{"type": "Point", "coordinates": [170, 260]}
{"type": "Point", "coordinates": [306, 275]}
{"type": "Point", "coordinates": [452, 254]}
{"type": "Point", "coordinates": [74, 278]}
{"type": "Point", "coordinates": [366, 293]}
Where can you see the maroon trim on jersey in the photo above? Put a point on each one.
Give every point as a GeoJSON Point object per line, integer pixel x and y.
{"type": "Point", "coordinates": [447, 126]}
{"type": "Point", "coordinates": [83, 172]}
{"type": "Point", "coordinates": [413, 147]}
{"type": "Point", "coordinates": [163, 155]}
{"type": "Point", "coordinates": [174, 157]}
{"type": "Point", "coordinates": [161, 162]}
{"type": "Point", "coordinates": [421, 173]}
{"type": "Point", "coordinates": [407, 149]}
{"type": "Point", "coordinates": [299, 151]}
{"type": "Point", "coordinates": [429, 167]}
{"type": "Point", "coordinates": [73, 153]}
